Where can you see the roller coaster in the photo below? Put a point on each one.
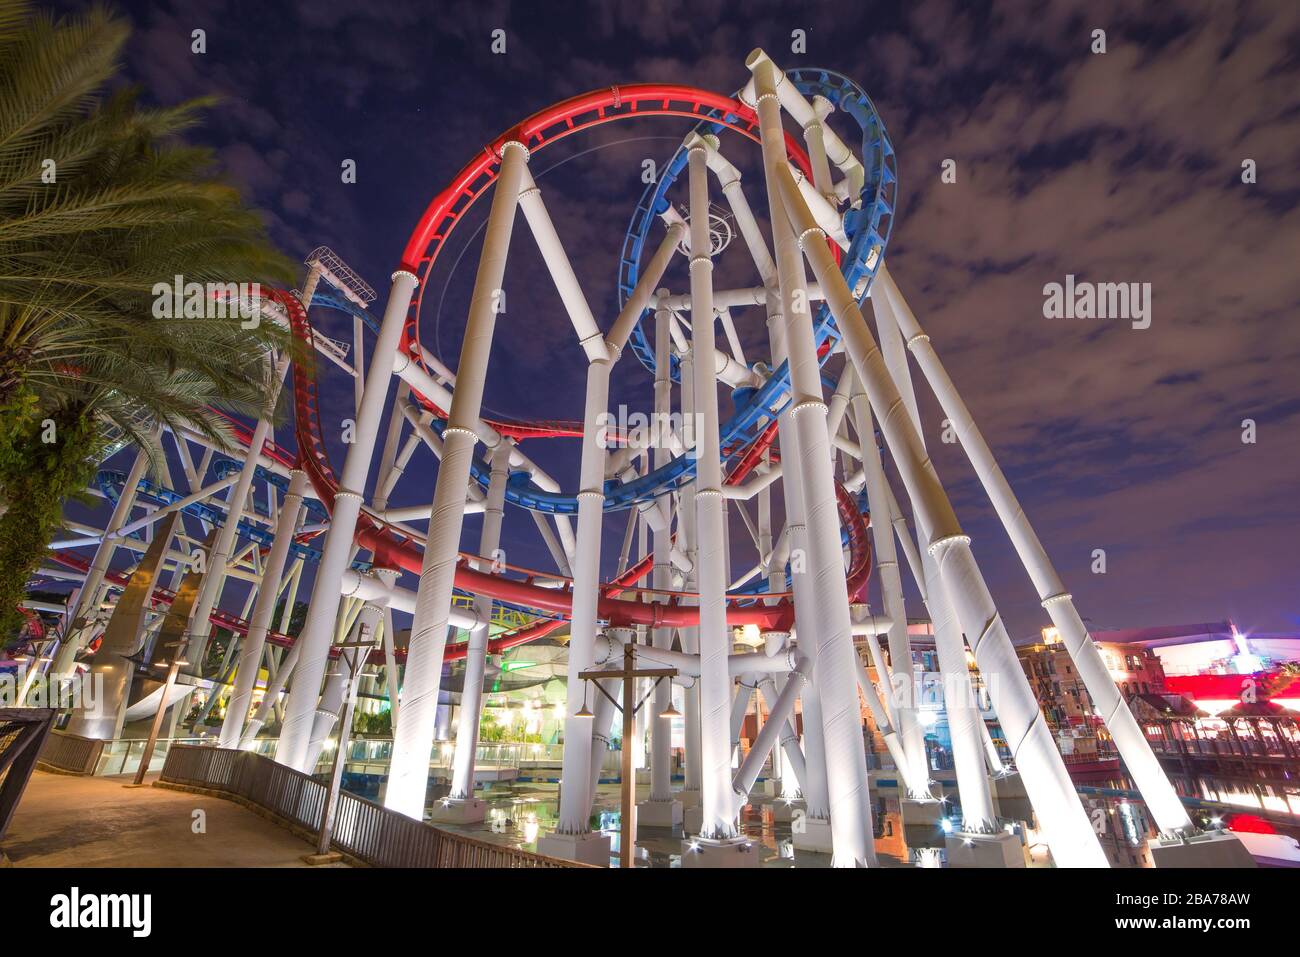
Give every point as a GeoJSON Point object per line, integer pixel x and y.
{"type": "Point", "coordinates": [831, 204]}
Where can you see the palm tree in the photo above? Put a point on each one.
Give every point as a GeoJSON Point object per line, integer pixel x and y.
{"type": "Point", "coordinates": [101, 204]}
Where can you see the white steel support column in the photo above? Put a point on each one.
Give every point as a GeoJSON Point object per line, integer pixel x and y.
{"type": "Point", "coordinates": [273, 689]}
{"type": "Point", "coordinates": [81, 622]}
{"type": "Point", "coordinates": [964, 719]}
{"type": "Point", "coordinates": [1141, 762]}
{"type": "Point", "coordinates": [314, 640]}
{"type": "Point", "coordinates": [250, 654]}
{"type": "Point", "coordinates": [745, 686]}
{"type": "Point", "coordinates": [413, 739]}
{"type": "Point", "coordinates": [794, 770]}
{"type": "Point", "coordinates": [835, 672]}
{"type": "Point", "coordinates": [689, 636]}
{"type": "Point", "coordinates": [471, 695]}
{"type": "Point", "coordinates": [336, 682]}
{"type": "Point", "coordinates": [661, 580]}
{"type": "Point", "coordinates": [236, 499]}
{"type": "Point", "coordinates": [813, 781]}
{"type": "Point", "coordinates": [902, 685]}
{"type": "Point", "coordinates": [779, 714]}
{"type": "Point", "coordinates": [719, 818]}
{"type": "Point", "coordinates": [574, 803]}
{"type": "Point", "coordinates": [1065, 826]}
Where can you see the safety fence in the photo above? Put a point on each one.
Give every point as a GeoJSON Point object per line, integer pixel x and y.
{"type": "Point", "coordinates": [362, 829]}
{"type": "Point", "coordinates": [23, 732]}
{"type": "Point", "coordinates": [70, 753]}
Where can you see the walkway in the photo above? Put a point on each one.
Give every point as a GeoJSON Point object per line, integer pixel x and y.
{"type": "Point", "coordinates": [68, 821]}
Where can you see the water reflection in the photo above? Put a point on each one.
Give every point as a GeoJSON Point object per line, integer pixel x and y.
{"type": "Point", "coordinates": [518, 814]}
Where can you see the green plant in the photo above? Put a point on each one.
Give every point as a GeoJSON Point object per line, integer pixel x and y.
{"type": "Point", "coordinates": [101, 206]}
{"type": "Point", "coordinates": [37, 477]}
{"type": "Point", "coordinates": [380, 723]}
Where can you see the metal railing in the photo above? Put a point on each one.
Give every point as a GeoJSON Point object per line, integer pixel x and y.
{"type": "Point", "coordinates": [123, 755]}
{"type": "Point", "coordinates": [23, 732]}
{"type": "Point", "coordinates": [1224, 747]}
{"type": "Point", "coordinates": [362, 829]}
{"type": "Point", "coordinates": [71, 753]}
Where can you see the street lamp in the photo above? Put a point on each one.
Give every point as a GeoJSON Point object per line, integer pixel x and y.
{"type": "Point", "coordinates": [365, 640]}
{"type": "Point", "coordinates": [178, 658]}
{"type": "Point", "coordinates": [629, 674]}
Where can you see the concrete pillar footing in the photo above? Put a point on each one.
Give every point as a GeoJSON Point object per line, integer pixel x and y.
{"type": "Point", "coordinates": [1207, 849]}
{"type": "Point", "coordinates": [589, 848]}
{"type": "Point", "coordinates": [984, 850]}
{"type": "Point", "coordinates": [469, 810]}
{"type": "Point", "coordinates": [663, 814]}
{"type": "Point", "coordinates": [730, 852]}
{"type": "Point", "coordinates": [814, 835]}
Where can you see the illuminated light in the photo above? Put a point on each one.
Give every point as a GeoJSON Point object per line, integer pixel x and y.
{"type": "Point", "coordinates": [695, 845]}
{"type": "Point", "coordinates": [946, 824]}
{"type": "Point", "coordinates": [1215, 706]}
{"type": "Point", "coordinates": [967, 842]}
{"type": "Point", "coordinates": [1051, 635]}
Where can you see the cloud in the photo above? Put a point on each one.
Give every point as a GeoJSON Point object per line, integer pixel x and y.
{"type": "Point", "coordinates": [1123, 166]}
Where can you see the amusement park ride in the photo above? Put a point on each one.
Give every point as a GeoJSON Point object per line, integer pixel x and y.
{"type": "Point", "coordinates": [820, 260]}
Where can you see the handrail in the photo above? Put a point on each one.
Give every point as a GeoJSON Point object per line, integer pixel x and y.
{"type": "Point", "coordinates": [70, 753]}
{"type": "Point", "coordinates": [362, 829]}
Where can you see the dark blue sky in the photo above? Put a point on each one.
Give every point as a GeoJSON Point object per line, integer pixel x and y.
{"type": "Point", "coordinates": [1116, 167]}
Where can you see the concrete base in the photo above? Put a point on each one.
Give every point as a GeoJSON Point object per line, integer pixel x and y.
{"type": "Point", "coordinates": [921, 822]}
{"type": "Point", "coordinates": [458, 811]}
{"type": "Point", "coordinates": [590, 848]}
{"type": "Point", "coordinates": [1009, 786]}
{"type": "Point", "coordinates": [813, 835]}
{"type": "Point", "coordinates": [316, 860]}
{"type": "Point", "coordinates": [693, 819]}
{"type": "Point", "coordinates": [1010, 798]}
{"type": "Point", "coordinates": [1210, 849]}
{"type": "Point", "coordinates": [984, 850]}
{"type": "Point", "coordinates": [736, 852]}
{"type": "Point", "coordinates": [665, 814]}
{"type": "Point", "coordinates": [689, 798]}
{"type": "Point", "coordinates": [784, 812]}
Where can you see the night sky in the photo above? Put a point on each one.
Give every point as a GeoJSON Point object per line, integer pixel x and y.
{"type": "Point", "coordinates": [1121, 167]}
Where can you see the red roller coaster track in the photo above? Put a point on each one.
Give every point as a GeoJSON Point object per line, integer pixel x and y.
{"type": "Point", "coordinates": [394, 548]}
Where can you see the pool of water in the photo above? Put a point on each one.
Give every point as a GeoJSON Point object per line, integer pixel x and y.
{"type": "Point", "coordinates": [521, 813]}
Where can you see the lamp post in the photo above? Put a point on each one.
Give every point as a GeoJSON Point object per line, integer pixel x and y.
{"type": "Point", "coordinates": [355, 662]}
{"type": "Point", "coordinates": [627, 776]}
{"type": "Point", "coordinates": [178, 658]}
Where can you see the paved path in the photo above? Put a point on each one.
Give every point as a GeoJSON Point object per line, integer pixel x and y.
{"type": "Point", "coordinates": [68, 821]}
